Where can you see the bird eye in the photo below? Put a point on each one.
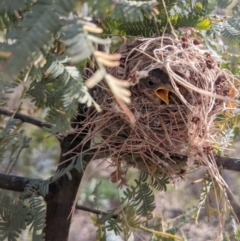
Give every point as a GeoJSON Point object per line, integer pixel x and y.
{"type": "Point", "coordinates": [150, 82]}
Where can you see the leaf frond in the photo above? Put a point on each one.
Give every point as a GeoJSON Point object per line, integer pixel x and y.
{"type": "Point", "coordinates": [14, 216]}
{"type": "Point", "coordinates": [33, 34]}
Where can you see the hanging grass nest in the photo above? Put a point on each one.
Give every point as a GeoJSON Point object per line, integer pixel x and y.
{"type": "Point", "coordinates": [177, 90]}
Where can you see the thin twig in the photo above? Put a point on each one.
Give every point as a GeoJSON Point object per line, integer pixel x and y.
{"type": "Point", "coordinates": [25, 118]}
{"type": "Point", "coordinates": [168, 19]}
{"type": "Point", "coordinates": [167, 235]}
{"type": "Point", "coordinates": [98, 212]}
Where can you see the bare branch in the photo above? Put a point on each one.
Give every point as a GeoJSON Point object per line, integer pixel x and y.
{"type": "Point", "coordinates": [25, 118]}
{"type": "Point", "coordinates": [98, 212]}
{"type": "Point", "coordinates": [14, 183]}
{"type": "Point", "coordinates": [228, 163]}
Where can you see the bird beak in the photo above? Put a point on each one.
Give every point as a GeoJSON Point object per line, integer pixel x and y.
{"type": "Point", "coordinates": [162, 94]}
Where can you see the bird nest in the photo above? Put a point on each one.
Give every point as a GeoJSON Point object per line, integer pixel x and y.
{"type": "Point", "coordinates": [177, 90]}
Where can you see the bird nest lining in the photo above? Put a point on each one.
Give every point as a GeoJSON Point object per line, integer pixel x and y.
{"type": "Point", "coordinates": [177, 91]}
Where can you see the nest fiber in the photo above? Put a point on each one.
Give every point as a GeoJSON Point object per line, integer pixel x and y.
{"type": "Point", "coordinates": [164, 133]}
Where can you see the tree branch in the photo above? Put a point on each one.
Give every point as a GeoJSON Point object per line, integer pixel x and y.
{"type": "Point", "coordinates": [91, 210]}
{"type": "Point", "coordinates": [17, 184]}
{"type": "Point", "coordinates": [25, 118]}
{"type": "Point", "coordinates": [228, 163]}
{"type": "Point", "coordinates": [14, 183]}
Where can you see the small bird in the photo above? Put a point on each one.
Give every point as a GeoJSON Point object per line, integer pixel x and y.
{"type": "Point", "coordinates": [156, 86]}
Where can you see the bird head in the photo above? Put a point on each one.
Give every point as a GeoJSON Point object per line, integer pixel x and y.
{"type": "Point", "coordinates": [158, 84]}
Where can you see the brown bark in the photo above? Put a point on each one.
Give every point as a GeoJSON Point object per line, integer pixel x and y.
{"type": "Point", "coordinates": [61, 196]}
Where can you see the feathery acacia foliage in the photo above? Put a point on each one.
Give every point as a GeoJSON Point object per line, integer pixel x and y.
{"type": "Point", "coordinates": [17, 215]}
{"type": "Point", "coordinates": [45, 41]}
{"type": "Point", "coordinates": [13, 140]}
